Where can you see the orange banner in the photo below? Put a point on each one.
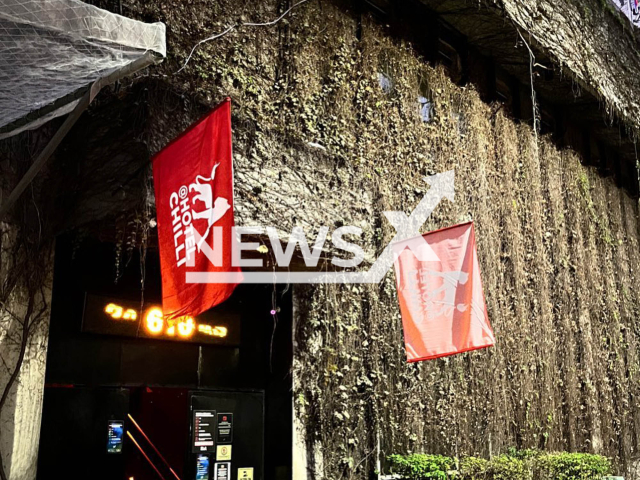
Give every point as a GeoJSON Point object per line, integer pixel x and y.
{"type": "Point", "coordinates": [442, 302]}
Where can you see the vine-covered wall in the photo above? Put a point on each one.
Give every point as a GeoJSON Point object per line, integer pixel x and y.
{"type": "Point", "coordinates": [593, 40]}
{"type": "Point", "coordinates": [26, 271]}
{"type": "Point", "coordinates": [318, 141]}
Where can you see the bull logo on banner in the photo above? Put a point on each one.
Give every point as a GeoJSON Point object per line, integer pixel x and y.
{"type": "Point", "coordinates": [213, 210]}
{"type": "Point", "coordinates": [441, 300]}
{"type": "Point", "coordinates": [634, 7]}
{"type": "Point", "coordinates": [184, 214]}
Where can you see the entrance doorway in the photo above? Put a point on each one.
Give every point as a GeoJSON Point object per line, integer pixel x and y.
{"type": "Point", "coordinates": [119, 407]}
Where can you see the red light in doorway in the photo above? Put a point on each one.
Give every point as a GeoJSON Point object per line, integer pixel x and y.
{"type": "Point", "coordinates": [145, 455]}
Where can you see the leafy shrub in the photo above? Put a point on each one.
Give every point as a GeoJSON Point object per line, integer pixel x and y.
{"type": "Point", "coordinates": [525, 454]}
{"type": "Point", "coordinates": [515, 465]}
{"type": "Point", "coordinates": [571, 466]}
{"type": "Point", "coordinates": [421, 467]}
{"type": "Point", "coordinates": [505, 467]}
{"type": "Point", "coordinates": [473, 468]}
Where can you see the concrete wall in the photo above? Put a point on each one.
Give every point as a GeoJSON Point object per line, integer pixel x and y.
{"type": "Point", "coordinates": [21, 415]}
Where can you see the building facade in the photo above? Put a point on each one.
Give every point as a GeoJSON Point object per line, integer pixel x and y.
{"type": "Point", "coordinates": [340, 110]}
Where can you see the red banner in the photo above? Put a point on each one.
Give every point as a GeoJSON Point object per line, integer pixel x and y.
{"type": "Point", "coordinates": [442, 302]}
{"type": "Point", "coordinates": [193, 179]}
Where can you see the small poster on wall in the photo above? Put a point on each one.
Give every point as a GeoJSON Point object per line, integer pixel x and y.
{"type": "Point", "coordinates": [245, 473]}
{"type": "Point", "coordinates": [224, 430]}
{"type": "Point", "coordinates": [202, 467]}
{"type": "Point", "coordinates": [222, 471]}
{"type": "Point", "coordinates": [223, 452]}
{"type": "Point", "coordinates": [203, 430]}
{"type": "Point", "coordinates": [114, 436]}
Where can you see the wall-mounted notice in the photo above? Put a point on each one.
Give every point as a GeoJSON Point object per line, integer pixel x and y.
{"type": "Point", "coordinates": [202, 467]}
{"type": "Point", "coordinates": [222, 471]}
{"type": "Point", "coordinates": [114, 436]}
{"type": "Point", "coordinates": [224, 429]}
{"type": "Point", "coordinates": [203, 430]}
{"type": "Point", "coordinates": [223, 452]}
{"type": "Point", "coordinates": [245, 473]}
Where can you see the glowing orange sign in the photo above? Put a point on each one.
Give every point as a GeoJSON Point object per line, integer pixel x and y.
{"type": "Point", "coordinates": [117, 312]}
{"type": "Point", "coordinates": [213, 331]}
{"type": "Point", "coordinates": [155, 324]}
{"type": "Point", "coordinates": [184, 327]}
{"type": "Point", "coordinates": [123, 317]}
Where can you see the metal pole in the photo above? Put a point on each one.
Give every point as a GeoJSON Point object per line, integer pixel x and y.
{"type": "Point", "coordinates": [45, 154]}
{"type": "Point", "coordinates": [147, 59]}
{"type": "Point", "coordinates": [153, 446]}
{"type": "Point", "coordinates": [145, 455]}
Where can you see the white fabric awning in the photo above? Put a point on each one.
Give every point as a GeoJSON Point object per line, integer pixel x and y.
{"type": "Point", "coordinates": [51, 51]}
{"type": "Point", "coordinates": [630, 9]}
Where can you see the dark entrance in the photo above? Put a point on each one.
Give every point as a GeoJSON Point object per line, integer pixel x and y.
{"type": "Point", "coordinates": [154, 387]}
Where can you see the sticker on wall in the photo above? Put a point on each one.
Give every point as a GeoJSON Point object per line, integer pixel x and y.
{"type": "Point", "coordinates": [203, 430]}
{"type": "Point", "coordinates": [222, 471]}
{"type": "Point", "coordinates": [202, 467]}
{"type": "Point", "coordinates": [114, 436]}
{"type": "Point", "coordinates": [245, 473]}
{"type": "Point", "coordinates": [223, 452]}
{"type": "Point", "coordinates": [224, 431]}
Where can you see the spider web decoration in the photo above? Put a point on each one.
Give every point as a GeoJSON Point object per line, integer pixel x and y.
{"type": "Point", "coordinates": [51, 50]}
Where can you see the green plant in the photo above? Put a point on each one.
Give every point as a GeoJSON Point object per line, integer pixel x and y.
{"type": "Point", "coordinates": [420, 466]}
{"type": "Point", "coordinates": [506, 467]}
{"type": "Point", "coordinates": [525, 464]}
{"type": "Point", "coordinates": [473, 468]}
{"type": "Point", "coordinates": [525, 454]}
{"type": "Point", "coordinates": [571, 466]}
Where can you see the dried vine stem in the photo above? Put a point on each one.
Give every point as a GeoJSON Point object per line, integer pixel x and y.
{"type": "Point", "coordinates": [236, 27]}
{"type": "Point", "coordinates": [534, 103]}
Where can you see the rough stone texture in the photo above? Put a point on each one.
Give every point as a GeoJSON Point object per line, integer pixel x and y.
{"type": "Point", "coordinates": [592, 41]}
{"type": "Point", "coordinates": [26, 274]}
{"type": "Point", "coordinates": [21, 415]}
{"type": "Point", "coordinates": [300, 185]}
{"type": "Point", "coordinates": [584, 53]}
